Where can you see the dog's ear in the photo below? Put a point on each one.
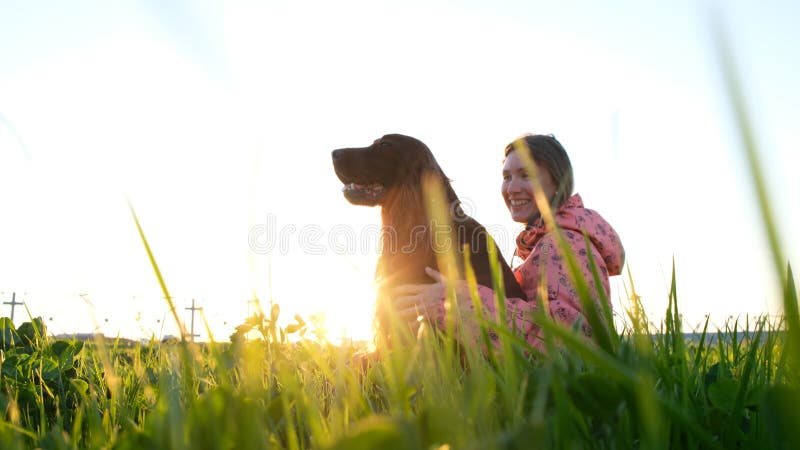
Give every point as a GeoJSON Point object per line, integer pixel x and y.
{"type": "Point", "coordinates": [432, 168]}
{"type": "Point", "coordinates": [425, 164]}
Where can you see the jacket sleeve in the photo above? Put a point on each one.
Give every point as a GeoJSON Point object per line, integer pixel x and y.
{"type": "Point", "coordinates": [518, 315]}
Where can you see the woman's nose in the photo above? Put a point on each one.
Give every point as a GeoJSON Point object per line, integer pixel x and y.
{"type": "Point", "coordinates": [514, 185]}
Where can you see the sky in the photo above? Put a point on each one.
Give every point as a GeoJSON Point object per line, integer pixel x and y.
{"type": "Point", "coordinates": [216, 121]}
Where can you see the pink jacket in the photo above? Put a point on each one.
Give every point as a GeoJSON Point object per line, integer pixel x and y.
{"type": "Point", "coordinates": [537, 247]}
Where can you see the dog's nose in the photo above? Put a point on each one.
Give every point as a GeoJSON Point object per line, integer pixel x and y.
{"type": "Point", "coordinates": [336, 154]}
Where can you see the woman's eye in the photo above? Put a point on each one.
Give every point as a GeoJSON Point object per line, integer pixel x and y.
{"type": "Point", "coordinates": [506, 177]}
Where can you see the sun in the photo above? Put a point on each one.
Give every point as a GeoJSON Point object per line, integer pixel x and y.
{"type": "Point", "coordinates": [347, 314]}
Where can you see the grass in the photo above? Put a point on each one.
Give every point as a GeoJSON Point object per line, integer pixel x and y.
{"type": "Point", "coordinates": [654, 390]}
{"type": "Point", "coordinates": [641, 387]}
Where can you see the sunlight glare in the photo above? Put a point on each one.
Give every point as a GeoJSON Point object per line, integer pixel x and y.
{"type": "Point", "coordinates": [348, 317]}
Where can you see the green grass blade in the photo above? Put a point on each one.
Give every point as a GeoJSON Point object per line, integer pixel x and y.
{"type": "Point", "coordinates": [738, 104]}
{"type": "Point", "coordinates": [747, 373]}
{"type": "Point", "coordinates": [157, 272]}
{"type": "Point", "coordinates": [605, 304]}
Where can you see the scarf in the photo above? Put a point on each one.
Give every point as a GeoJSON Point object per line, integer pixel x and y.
{"type": "Point", "coordinates": [536, 229]}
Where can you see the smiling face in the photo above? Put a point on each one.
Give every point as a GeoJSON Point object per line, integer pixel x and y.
{"type": "Point", "coordinates": [517, 190]}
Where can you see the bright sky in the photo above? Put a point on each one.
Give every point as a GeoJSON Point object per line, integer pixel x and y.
{"type": "Point", "coordinates": [217, 121]}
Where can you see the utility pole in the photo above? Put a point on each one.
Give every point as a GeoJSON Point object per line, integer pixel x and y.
{"type": "Point", "coordinates": [13, 304]}
{"type": "Point", "coordinates": [193, 309]}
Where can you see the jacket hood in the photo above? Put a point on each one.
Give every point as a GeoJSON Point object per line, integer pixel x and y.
{"type": "Point", "coordinates": [572, 215]}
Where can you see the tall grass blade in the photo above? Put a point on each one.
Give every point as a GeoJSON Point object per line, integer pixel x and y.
{"type": "Point", "coordinates": [445, 246]}
{"type": "Point", "coordinates": [701, 346]}
{"type": "Point", "coordinates": [745, 378]}
{"type": "Point", "coordinates": [472, 283]}
{"type": "Point", "coordinates": [744, 124]}
{"type": "Point", "coordinates": [791, 311]}
{"type": "Point", "coordinates": [605, 304]}
{"type": "Point", "coordinates": [157, 272]}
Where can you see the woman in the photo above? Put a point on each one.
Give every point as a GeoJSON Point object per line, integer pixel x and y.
{"type": "Point", "coordinates": [536, 246]}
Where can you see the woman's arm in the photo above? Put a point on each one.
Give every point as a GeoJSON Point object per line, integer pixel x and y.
{"type": "Point", "coordinates": [427, 300]}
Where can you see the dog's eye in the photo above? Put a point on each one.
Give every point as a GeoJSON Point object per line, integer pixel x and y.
{"type": "Point", "coordinates": [385, 144]}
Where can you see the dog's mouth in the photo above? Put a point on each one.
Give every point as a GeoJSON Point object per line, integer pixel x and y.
{"type": "Point", "coordinates": [364, 194]}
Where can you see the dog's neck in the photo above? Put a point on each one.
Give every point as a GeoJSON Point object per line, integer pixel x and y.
{"type": "Point", "coordinates": [406, 244]}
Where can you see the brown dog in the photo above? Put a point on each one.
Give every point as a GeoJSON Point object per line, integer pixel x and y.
{"type": "Point", "coordinates": [389, 173]}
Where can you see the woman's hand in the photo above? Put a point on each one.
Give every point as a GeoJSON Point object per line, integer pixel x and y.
{"type": "Point", "coordinates": [414, 301]}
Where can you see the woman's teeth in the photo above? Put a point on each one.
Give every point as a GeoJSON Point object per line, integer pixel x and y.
{"type": "Point", "coordinates": [516, 203]}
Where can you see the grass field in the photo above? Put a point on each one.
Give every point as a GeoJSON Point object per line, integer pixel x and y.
{"type": "Point", "coordinates": [646, 390]}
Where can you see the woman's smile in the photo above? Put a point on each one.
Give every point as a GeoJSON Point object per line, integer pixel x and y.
{"type": "Point", "coordinates": [518, 203]}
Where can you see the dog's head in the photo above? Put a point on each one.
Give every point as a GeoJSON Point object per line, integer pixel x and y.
{"type": "Point", "coordinates": [369, 173]}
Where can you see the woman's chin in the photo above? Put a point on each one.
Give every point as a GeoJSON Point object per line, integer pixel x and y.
{"type": "Point", "coordinates": [521, 215]}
